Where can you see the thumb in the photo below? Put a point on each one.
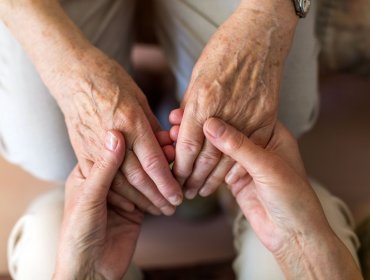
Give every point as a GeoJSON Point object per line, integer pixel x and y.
{"type": "Point", "coordinates": [104, 170]}
{"type": "Point", "coordinates": [236, 145]}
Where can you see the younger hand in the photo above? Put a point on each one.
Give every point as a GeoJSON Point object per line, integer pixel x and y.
{"type": "Point", "coordinates": [281, 206]}
{"type": "Point", "coordinates": [273, 193]}
{"type": "Point", "coordinates": [97, 239]}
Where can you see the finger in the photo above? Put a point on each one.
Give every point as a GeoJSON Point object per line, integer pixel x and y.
{"type": "Point", "coordinates": [120, 202]}
{"type": "Point", "coordinates": [176, 116]}
{"type": "Point", "coordinates": [235, 173]}
{"type": "Point", "coordinates": [169, 152]}
{"type": "Point", "coordinates": [236, 145]}
{"type": "Point", "coordinates": [217, 177]}
{"type": "Point", "coordinates": [261, 136]}
{"type": "Point", "coordinates": [174, 133]}
{"type": "Point", "coordinates": [206, 161]}
{"type": "Point", "coordinates": [122, 187]}
{"type": "Point", "coordinates": [73, 183]}
{"type": "Point", "coordinates": [105, 168]}
{"type": "Point", "coordinates": [163, 138]}
{"type": "Point", "coordinates": [85, 166]}
{"type": "Point", "coordinates": [238, 186]}
{"type": "Point", "coordinates": [166, 143]}
{"type": "Point", "coordinates": [188, 146]}
{"type": "Point", "coordinates": [154, 123]}
{"type": "Point", "coordinates": [136, 176]}
{"type": "Point", "coordinates": [154, 163]}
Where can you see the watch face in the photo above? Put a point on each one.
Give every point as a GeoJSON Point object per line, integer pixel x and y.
{"type": "Point", "coordinates": [302, 7]}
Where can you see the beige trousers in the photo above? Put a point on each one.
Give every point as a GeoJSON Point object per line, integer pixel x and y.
{"type": "Point", "coordinates": [33, 133]}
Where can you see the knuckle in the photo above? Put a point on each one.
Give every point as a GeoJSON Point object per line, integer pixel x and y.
{"type": "Point", "coordinates": [205, 88]}
{"type": "Point", "coordinates": [182, 172]}
{"type": "Point", "coordinates": [136, 176]}
{"type": "Point", "coordinates": [189, 146]}
{"type": "Point", "coordinates": [127, 118]}
{"type": "Point", "coordinates": [159, 201]}
{"type": "Point", "coordinates": [215, 180]}
{"type": "Point", "coordinates": [152, 163]}
{"type": "Point", "coordinates": [234, 142]}
{"type": "Point", "coordinates": [119, 184]}
{"type": "Point", "coordinates": [103, 163]}
{"type": "Point", "coordinates": [208, 159]}
{"type": "Point", "coordinates": [195, 180]}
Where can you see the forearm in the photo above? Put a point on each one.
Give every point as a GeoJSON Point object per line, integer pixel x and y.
{"type": "Point", "coordinates": [49, 37]}
{"type": "Point", "coordinates": [277, 17]}
{"type": "Point", "coordinates": [324, 257]}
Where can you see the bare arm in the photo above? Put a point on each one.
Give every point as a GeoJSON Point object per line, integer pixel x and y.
{"type": "Point", "coordinates": [45, 32]}
{"type": "Point", "coordinates": [318, 256]}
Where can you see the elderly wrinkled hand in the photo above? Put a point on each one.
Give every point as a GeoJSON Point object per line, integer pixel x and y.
{"type": "Point", "coordinates": [237, 79]}
{"type": "Point", "coordinates": [103, 96]}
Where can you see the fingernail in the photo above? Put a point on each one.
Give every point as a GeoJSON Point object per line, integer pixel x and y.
{"type": "Point", "coordinates": [154, 211]}
{"type": "Point", "coordinates": [203, 192]}
{"type": "Point", "coordinates": [176, 200]}
{"type": "Point", "coordinates": [111, 141]}
{"type": "Point", "coordinates": [231, 178]}
{"type": "Point", "coordinates": [216, 128]}
{"type": "Point", "coordinates": [191, 194]}
{"type": "Point", "coordinates": [168, 210]}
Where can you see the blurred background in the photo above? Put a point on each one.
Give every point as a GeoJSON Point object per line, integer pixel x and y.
{"type": "Point", "coordinates": [336, 151]}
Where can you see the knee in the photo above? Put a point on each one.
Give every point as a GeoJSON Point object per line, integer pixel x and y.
{"type": "Point", "coordinates": [251, 254]}
{"type": "Point", "coordinates": [32, 244]}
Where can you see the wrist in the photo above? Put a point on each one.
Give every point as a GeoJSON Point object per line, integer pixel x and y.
{"type": "Point", "coordinates": [317, 256]}
{"type": "Point", "coordinates": [281, 10]}
{"type": "Point", "coordinates": [277, 15]}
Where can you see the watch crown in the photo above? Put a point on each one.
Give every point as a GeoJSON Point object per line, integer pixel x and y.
{"type": "Point", "coordinates": [302, 7]}
{"type": "Point", "coordinates": [305, 4]}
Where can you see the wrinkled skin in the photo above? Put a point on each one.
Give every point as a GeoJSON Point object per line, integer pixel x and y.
{"type": "Point", "coordinates": [237, 79]}
{"type": "Point", "coordinates": [98, 238]}
{"type": "Point", "coordinates": [104, 97]}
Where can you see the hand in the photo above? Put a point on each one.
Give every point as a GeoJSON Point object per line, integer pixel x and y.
{"type": "Point", "coordinates": [98, 95]}
{"type": "Point", "coordinates": [237, 79]}
{"type": "Point", "coordinates": [95, 95]}
{"type": "Point", "coordinates": [280, 205]}
{"type": "Point", "coordinates": [97, 239]}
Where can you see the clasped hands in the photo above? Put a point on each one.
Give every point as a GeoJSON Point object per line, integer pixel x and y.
{"type": "Point", "coordinates": [98, 237]}
{"type": "Point", "coordinates": [236, 79]}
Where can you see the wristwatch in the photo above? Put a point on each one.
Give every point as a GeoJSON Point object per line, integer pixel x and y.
{"type": "Point", "coordinates": [302, 7]}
